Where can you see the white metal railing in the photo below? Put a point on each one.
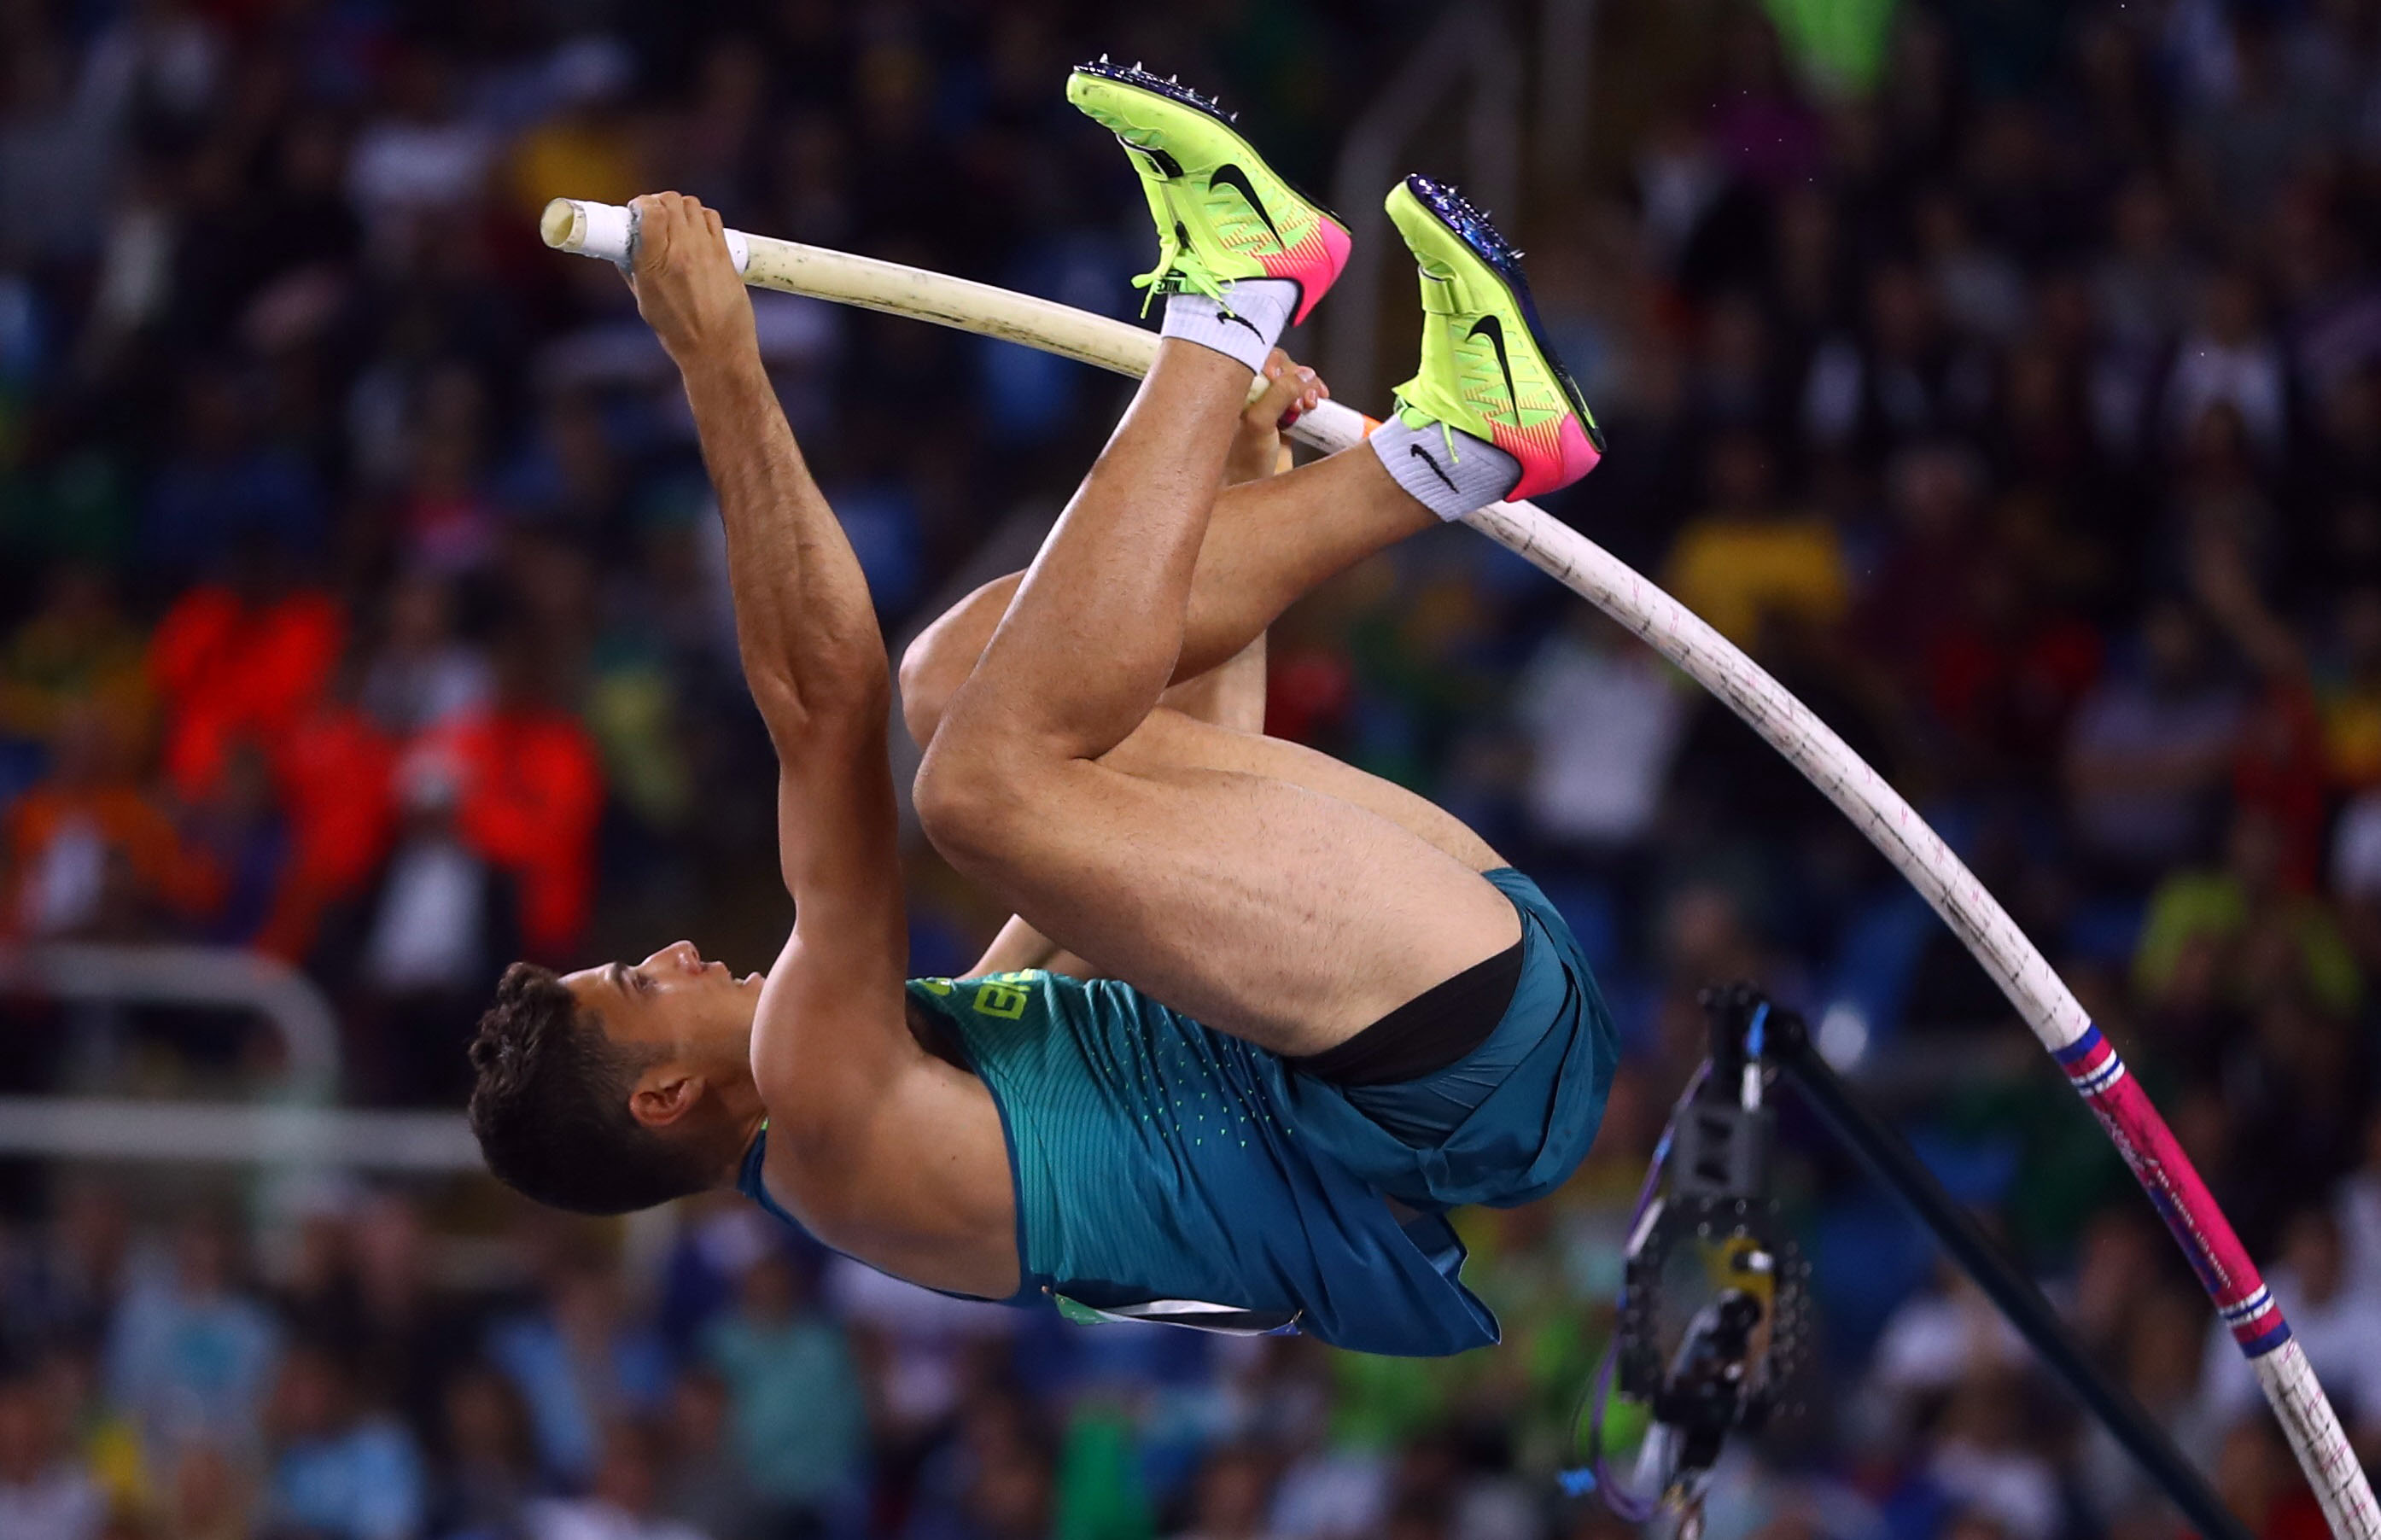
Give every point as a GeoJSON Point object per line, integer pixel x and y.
{"type": "Point", "coordinates": [292, 1127]}
{"type": "Point", "coordinates": [104, 1128]}
{"type": "Point", "coordinates": [209, 977]}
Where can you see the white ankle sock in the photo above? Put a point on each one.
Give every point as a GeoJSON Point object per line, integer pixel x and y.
{"type": "Point", "coordinates": [1449, 479]}
{"type": "Point", "coordinates": [1245, 326]}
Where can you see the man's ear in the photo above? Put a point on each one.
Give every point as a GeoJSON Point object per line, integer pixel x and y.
{"type": "Point", "coordinates": [663, 1095]}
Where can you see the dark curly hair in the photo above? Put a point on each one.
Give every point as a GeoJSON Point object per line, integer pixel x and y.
{"type": "Point", "coordinates": [550, 1106]}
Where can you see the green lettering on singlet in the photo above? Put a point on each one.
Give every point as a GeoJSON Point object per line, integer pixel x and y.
{"type": "Point", "coordinates": [1005, 996]}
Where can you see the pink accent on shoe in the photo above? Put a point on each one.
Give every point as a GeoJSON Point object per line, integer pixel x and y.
{"type": "Point", "coordinates": [1553, 455]}
{"type": "Point", "coordinates": [1313, 264]}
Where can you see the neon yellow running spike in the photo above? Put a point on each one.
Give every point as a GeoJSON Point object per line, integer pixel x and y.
{"type": "Point", "coordinates": [1486, 368]}
{"type": "Point", "coordinates": [1222, 213]}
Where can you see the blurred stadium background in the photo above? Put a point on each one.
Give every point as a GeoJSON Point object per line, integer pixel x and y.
{"type": "Point", "coordinates": [2005, 373]}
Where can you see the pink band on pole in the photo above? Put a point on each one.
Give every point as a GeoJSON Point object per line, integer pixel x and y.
{"type": "Point", "coordinates": [2181, 1199]}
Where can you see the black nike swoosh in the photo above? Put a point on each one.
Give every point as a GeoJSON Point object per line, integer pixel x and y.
{"type": "Point", "coordinates": [1234, 177]}
{"type": "Point", "coordinates": [1418, 452]}
{"type": "Point", "coordinates": [1493, 330]}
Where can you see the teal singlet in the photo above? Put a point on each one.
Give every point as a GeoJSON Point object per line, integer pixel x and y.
{"type": "Point", "coordinates": [1167, 1171]}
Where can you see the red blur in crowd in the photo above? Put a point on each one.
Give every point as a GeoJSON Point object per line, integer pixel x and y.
{"type": "Point", "coordinates": [533, 789]}
{"type": "Point", "coordinates": [257, 663]}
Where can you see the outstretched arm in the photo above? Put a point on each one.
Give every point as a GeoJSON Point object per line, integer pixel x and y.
{"type": "Point", "coordinates": [884, 1150]}
{"type": "Point", "coordinates": [830, 1028]}
{"type": "Point", "coordinates": [804, 622]}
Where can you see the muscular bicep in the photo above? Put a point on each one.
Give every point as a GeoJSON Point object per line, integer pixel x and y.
{"type": "Point", "coordinates": [884, 1151]}
{"type": "Point", "coordinates": [830, 1017]}
{"type": "Point", "coordinates": [839, 833]}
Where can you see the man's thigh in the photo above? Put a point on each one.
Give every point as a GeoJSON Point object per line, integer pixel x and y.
{"type": "Point", "coordinates": [1172, 738]}
{"type": "Point", "coordinates": [1265, 890]}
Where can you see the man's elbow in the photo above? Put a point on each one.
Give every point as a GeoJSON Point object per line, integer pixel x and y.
{"type": "Point", "coordinates": [797, 709]}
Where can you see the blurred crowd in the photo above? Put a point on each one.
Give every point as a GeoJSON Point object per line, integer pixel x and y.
{"type": "Point", "coordinates": [2004, 374]}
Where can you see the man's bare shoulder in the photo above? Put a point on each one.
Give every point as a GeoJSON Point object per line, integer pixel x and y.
{"type": "Point", "coordinates": [910, 1175]}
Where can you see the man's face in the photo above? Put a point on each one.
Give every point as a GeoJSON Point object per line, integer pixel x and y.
{"type": "Point", "coordinates": [673, 1002]}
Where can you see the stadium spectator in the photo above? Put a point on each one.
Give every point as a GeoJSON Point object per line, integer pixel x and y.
{"type": "Point", "coordinates": [239, 660]}
{"type": "Point", "coordinates": [46, 1493]}
{"type": "Point", "coordinates": [582, 142]}
{"type": "Point", "coordinates": [921, 1354]}
{"type": "Point", "coordinates": [191, 1350]}
{"type": "Point", "coordinates": [91, 854]}
{"type": "Point", "coordinates": [528, 797]}
{"type": "Point", "coordinates": [226, 490]}
{"type": "Point", "coordinates": [2159, 1361]}
{"type": "Point", "coordinates": [1988, 1460]}
{"type": "Point", "coordinates": [2357, 1216]}
{"type": "Point", "coordinates": [64, 1284]}
{"type": "Point", "coordinates": [77, 648]}
{"type": "Point", "coordinates": [2148, 749]}
{"type": "Point", "coordinates": [1745, 560]}
{"type": "Point", "coordinates": [337, 1471]}
{"type": "Point", "coordinates": [2246, 896]}
{"type": "Point", "coordinates": [1899, 380]}
{"type": "Point", "coordinates": [420, 159]}
{"type": "Point", "coordinates": [335, 772]}
{"type": "Point", "coordinates": [995, 1480]}
{"type": "Point", "coordinates": [1230, 1495]}
{"type": "Point", "coordinates": [209, 1493]}
{"type": "Point", "coordinates": [421, 674]}
{"type": "Point", "coordinates": [487, 1475]}
{"type": "Point", "coordinates": [620, 1503]}
{"type": "Point", "coordinates": [408, 1333]}
{"type": "Point", "coordinates": [579, 1365]}
{"type": "Point", "coordinates": [444, 520]}
{"type": "Point", "coordinates": [710, 1487]}
{"type": "Point", "coordinates": [1605, 720]}
{"type": "Point", "coordinates": [2231, 361]}
{"type": "Point", "coordinates": [796, 1411]}
{"type": "Point", "coordinates": [239, 832]}
{"type": "Point", "coordinates": [424, 938]}
{"type": "Point", "coordinates": [2253, 1478]}
{"type": "Point", "coordinates": [1936, 1340]}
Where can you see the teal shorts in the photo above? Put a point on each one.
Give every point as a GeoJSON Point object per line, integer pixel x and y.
{"type": "Point", "coordinates": [1508, 1122]}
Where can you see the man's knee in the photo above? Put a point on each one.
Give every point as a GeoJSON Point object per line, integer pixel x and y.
{"type": "Point", "coordinates": [970, 797]}
{"type": "Point", "coordinates": [944, 653]}
{"type": "Point", "coordinates": [931, 674]}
